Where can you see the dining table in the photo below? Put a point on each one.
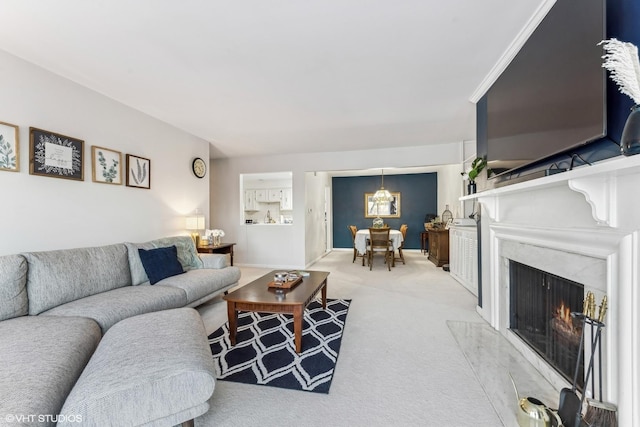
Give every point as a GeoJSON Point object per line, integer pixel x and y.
{"type": "Point", "coordinates": [362, 235]}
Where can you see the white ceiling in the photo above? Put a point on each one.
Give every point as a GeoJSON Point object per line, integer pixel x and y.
{"type": "Point", "coordinates": [260, 77]}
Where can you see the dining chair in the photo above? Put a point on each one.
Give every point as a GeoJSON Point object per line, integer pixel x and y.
{"type": "Point", "coordinates": [354, 230]}
{"type": "Point", "coordinates": [379, 243]}
{"type": "Point", "coordinates": [403, 231]}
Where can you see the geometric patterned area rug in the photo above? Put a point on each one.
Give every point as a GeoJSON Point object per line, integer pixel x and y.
{"type": "Point", "coordinates": [265, 351]}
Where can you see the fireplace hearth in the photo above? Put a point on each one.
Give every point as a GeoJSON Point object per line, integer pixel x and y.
{"type": "Point", "coordinates": [541, 305]}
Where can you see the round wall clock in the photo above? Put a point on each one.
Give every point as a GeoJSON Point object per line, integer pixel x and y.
{"type": "Point", "coordinates": [199, 167]}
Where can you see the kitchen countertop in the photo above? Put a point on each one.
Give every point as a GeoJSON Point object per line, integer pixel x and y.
{"type": "Point", "coordinates": [264, 223]}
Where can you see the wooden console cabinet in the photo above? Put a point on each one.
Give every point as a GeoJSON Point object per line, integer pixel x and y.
{"type": "Point", "coordinates": [439, 247]}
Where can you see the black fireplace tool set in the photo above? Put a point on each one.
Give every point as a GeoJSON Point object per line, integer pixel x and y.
{"type": "Point", "coordinates": [599, 413]}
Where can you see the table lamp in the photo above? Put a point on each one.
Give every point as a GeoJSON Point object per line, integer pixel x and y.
{"type": "Point", "coordinates": [195, 223]}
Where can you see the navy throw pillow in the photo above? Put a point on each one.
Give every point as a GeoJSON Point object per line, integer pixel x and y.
{"type": "Point", "coordinates": [160, 263]}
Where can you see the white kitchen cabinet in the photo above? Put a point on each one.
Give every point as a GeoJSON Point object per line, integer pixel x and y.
{"type": "Point", "coordinates": [463, 256]}
{"type": "Point", "coordinates": [286, 201]}
{"type": "Point", "coordinates": [250, 202]}
{"type": "Point", "coordinates": [253, 198]}
{"type": "Point", "coordinates": [261, 195]}
{"type": "Point", "coordinates": [274, 195]}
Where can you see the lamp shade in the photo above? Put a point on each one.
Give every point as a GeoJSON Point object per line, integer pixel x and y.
{"type": "Point", "coordinates": [195, 222]}
{"type": "Point", "coordinates": [382, 195]}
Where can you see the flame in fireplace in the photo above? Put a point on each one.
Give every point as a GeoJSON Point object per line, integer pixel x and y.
{"type": "Point", "coordinates": [564, 313]}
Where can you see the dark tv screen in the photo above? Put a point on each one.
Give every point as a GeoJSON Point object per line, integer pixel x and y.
{"type": "Point", "coordinates": [552, 96]}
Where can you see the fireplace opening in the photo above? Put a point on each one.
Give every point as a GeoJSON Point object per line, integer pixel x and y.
{"type": "Point", "coordinates": [541, 305]}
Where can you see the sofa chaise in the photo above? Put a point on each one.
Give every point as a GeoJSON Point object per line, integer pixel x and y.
{"type": "Point", "coordinates": [108, 335]}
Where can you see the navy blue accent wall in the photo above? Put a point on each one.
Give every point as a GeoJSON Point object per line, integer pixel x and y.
{"type": "Point", "coordinates": [481, 151]}
{"type": "Point", "coordinates": [418, 197]}
{"type": "Point", "coordinates": [622, 23]}
{"type": "Point", "coordinates": [481, 127]}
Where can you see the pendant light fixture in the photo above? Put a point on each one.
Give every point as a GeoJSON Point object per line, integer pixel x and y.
{"type": "Point", "coordinates": [382, 195]}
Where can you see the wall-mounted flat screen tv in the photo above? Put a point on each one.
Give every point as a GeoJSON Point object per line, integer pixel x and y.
{"type": "Point", "coordinates": [552, 96]}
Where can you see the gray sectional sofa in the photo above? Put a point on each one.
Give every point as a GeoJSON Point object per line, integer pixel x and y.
{"type": "Point", "coordinates": [85, 336]}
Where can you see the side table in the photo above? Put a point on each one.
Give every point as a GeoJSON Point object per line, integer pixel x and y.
{"type": "Point", "coordinates": [424, 237]}
{"type": "Point", "coordinates": [223, 248]}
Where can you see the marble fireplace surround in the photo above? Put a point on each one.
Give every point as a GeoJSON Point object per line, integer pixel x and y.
{"type": "Point", "coordinates": [583, 225]}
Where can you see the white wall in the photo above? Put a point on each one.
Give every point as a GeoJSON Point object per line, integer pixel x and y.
{"type": "Point", "coordinates": [42, 213]}
{"type": "Point", "coordinates": [469, 153]}
{"type": "Point", "coordinates": [315, 232]}
{"type": "Point", "coordinates": [291, 250]}
{"type": "Point", "coordinates": [450, 189]}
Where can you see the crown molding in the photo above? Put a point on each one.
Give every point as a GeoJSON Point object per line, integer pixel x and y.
{"type": "Point", "coordinates": [512, 50]}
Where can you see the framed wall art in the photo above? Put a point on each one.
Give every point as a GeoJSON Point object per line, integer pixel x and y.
{"type": "Point", "coordinates": [9, 147]}
{"type": "Point", "coordinates": [106, 165]}
{"type": "Point", "coordinates": [55, 155]}
{"type": "Point", "coordinates": [383, 210]}
{"type": "Point", "coordinates": [138, 172]}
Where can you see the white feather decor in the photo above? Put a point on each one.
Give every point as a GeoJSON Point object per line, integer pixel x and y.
{"type": "Point", "coordinates": [621, 60]}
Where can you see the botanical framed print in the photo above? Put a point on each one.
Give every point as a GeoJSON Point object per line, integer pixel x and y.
{"type": "Point", "coordinates": [106, 165]}
{"type": "Point", "coordinates": [9, 147]}
{"type": "Point", "coordinates": [384, 209]}
{"type": "Point", "coordinates": [138, 172]}
{"type": "Point", "coordinates": [55, 155]}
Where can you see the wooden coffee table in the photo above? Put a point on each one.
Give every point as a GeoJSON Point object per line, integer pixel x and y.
{"type": "Point", "coordinates": [259, 297]}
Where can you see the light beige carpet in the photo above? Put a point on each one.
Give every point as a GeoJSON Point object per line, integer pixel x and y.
{"type": "Point", "coordinates": [399, 365]}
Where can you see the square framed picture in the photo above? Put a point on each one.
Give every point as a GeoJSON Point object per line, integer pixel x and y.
{"type": "Point", "coordinates": [55, 155]}
{"type": "Point", "coordinates": [138, 172]}
{"type": "Point", "coordinates": [106, 165]}
{"type": "Point", "coordinates": [9, 147]}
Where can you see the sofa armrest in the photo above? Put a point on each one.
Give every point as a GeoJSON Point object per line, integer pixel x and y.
{"type": "Point", "coordinates": [215, 261]}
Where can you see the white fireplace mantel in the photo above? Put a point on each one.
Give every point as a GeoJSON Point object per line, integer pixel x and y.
{"type": "Point", "coordinates": [582, 224]}
{"type": "Point", "coordinates": [608, 186]}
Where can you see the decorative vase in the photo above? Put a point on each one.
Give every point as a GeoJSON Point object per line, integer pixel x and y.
{"type": "Point", "coordinates": [446, 215]}
{"type": "Point", "coordinates": [378, 222]}
{"type": "Point", "coordinates": [216, 240]}
{"type": "Point", "coordinates": [471, 187]}
{"type": "Point", "coordinates": [630, 142]}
